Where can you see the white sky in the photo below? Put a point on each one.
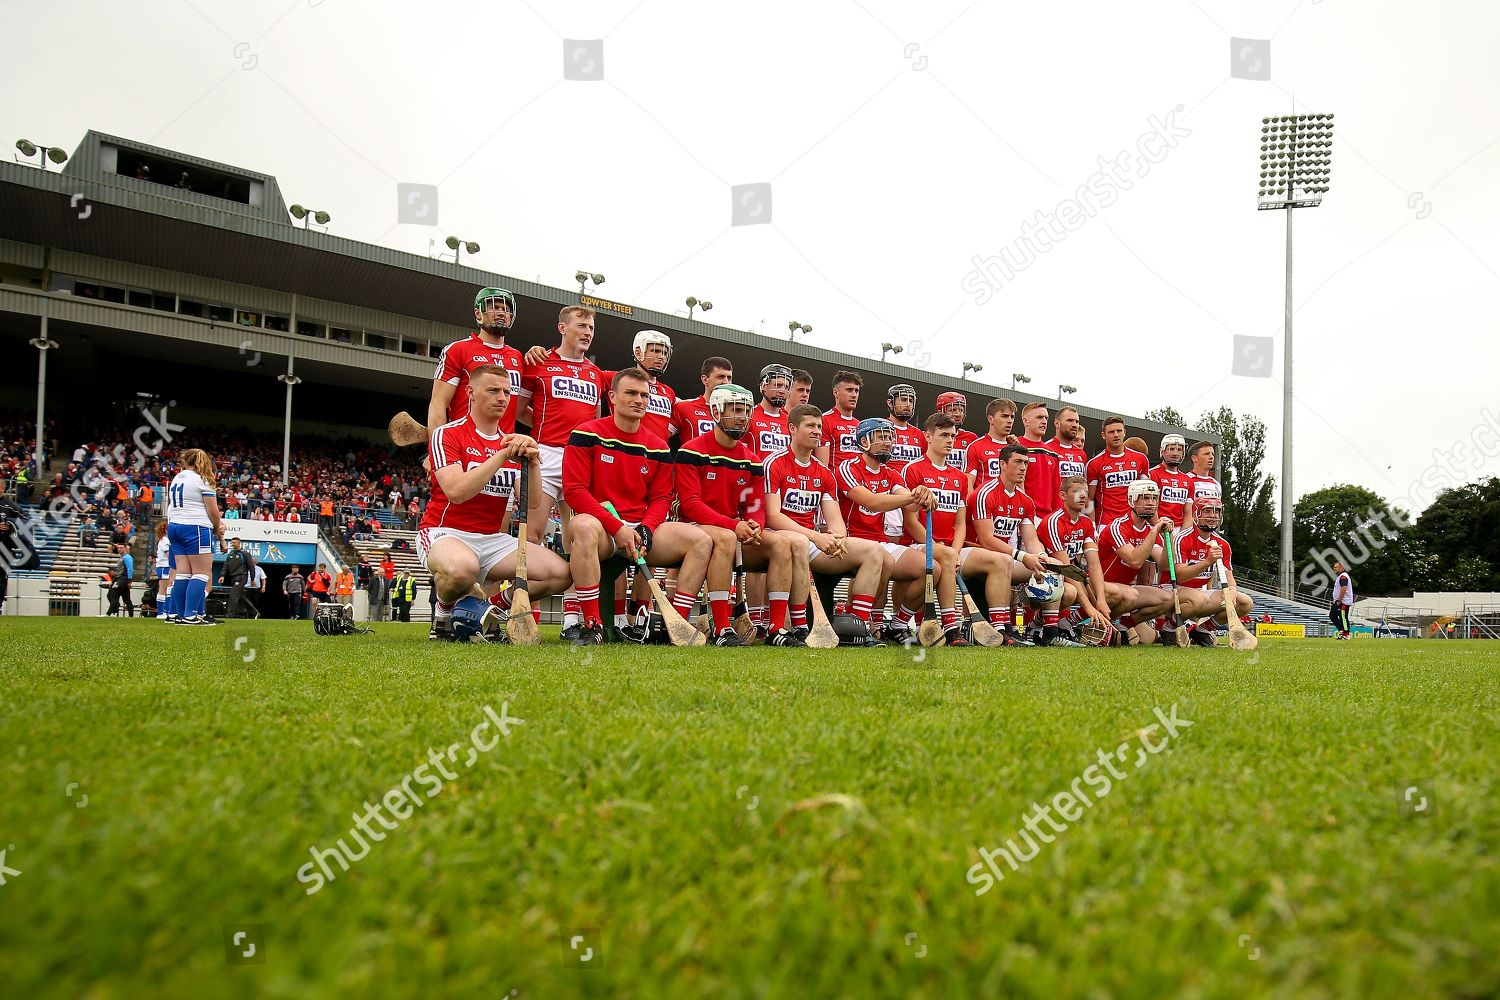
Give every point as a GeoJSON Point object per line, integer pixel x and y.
{"type": "Point", "coordinates": [886, 178]}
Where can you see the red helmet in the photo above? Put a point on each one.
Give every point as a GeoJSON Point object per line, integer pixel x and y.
{"type": "Point", "coordinates": [947, 399]}
{"type": "Point", "coordinates": [1208, 512]}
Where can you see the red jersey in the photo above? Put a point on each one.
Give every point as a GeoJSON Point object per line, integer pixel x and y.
{"type": "Point", "coordinates": [1120, 531]}
{"type": "Point", "coordinates": [1205, 486]}
{"type": "Point", "coordinates": [631, 470]}
{"type": "Point", "coordinates": [564, 393]}
{"type": "Point", "coordinates": [838, 435]}
{"type": "Point", "coordinates": [1192, 546]}
{"type": "Point", "coordinates": [1005, 508]}
{"type": "Point", "coordinates": [1176, 491]}
{"type": "Point", "coordinates": [1071, 461]}
{"type": "Point", "coordinates": [908, 444]}
{"type": "Point", "coordinates": [949, 486]}
{"type": "Point", "coordinates": [801, 487]}
{"type": "Point", "coordinates": [984, 459]}
{"type": "Point", "coordinates": [1043, 481]}
{"type": "Point", "coordinates": [1111, 475]}
{"type": "Point", "coordinates": [958, 458]}
{"type": "Point", "coordinates": [719, 486]}
{"type": "Point", "coordinates": [658, 418]}
{"type": "Point", "coordinates": [691, 417]}
{"type": "Point", "coordinates": [461, 443]}
{"type": "Point", "coordinates": [463, 356]}
{"type": "Point", "coordinates": [768, 434]}
{"type": "Point", "coordinates": [1063, 536]}
{"type": "Point", "coordinates": [861, 521]}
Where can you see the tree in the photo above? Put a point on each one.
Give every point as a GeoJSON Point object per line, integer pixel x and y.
{"type": "Point", "coordinates": [1355, 526]}
{"type": "Point", "coordinates": [1249, 518]}
{"type": "Point", "coordinates": [1166, 415]}
{"type": "Point", "coordinates": [1456, 541]}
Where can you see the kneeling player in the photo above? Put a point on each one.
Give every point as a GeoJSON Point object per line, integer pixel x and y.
{"type": "Point", "coordinates": [1126, 545]}
{"type": "Point", "coordinates": [461, 541]}
{"type": "Point", "coordinates": [798, 487]}
{"type": "Point", "coordinates": [613, 458]}
{"type": "Point", "coordinates": [721, 489]}
{"type": "Point", "coordinates": [1199, 549]}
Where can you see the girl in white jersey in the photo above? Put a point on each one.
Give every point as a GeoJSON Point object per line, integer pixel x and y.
{"type": "Point", "coordinates": [164, 571]}
{"type": "Point", "coordinates": [192, 523]}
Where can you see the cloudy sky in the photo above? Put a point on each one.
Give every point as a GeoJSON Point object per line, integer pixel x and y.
{"type": "Point", "coordinates": [903, 145]}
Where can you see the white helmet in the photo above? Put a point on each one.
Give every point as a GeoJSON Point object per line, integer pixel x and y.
{"type": "Point", "coordinates": [1142, 488]}
{"type": "Point", "coordinates": [648, 337]}
{"type": "Point", "coordinates": [725, 396]}
{"type": "Point", "coordinates": [1171, 439]}
{"type": "Point", "coordinates": [1044, 588]}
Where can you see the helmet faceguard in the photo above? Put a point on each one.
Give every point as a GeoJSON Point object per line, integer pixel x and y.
{"type": "Point", "coordinates": [776, 384]}
{"type": "Point", "coordinates": [874, 436]}
{"type": "Point", "coordinates": [655, 367]}
{"type": "Point", "coordinates": [488, 298]}
{"type": "Point", "coordinates": [730, 406]}
{"type": "Point", "coordinates": [1208, 513]}
{"type": "Point", "coordinates": [953, 404]}
{"type": "Point", "coordinates": [1146, 492]}
{"type": "Point", "coordinates": [901, 401]}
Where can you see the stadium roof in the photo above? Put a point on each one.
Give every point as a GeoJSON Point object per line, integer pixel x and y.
{"type": "Point", "coordinates": [98, 206]}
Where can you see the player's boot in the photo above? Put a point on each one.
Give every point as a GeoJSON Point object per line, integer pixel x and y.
{"type": "Point", "coordinates": [955, 637]}
{"type": "Point", "coordinates": [729, 637]}
{"type": "Point", "coordinates": [442, 630]}
{"type": "Point", "coordinates": [1010, 637]}
{"type": "Point", "coordinates": [893, 632]}
{"type": "Point", "coordinates": [1204, 636]}
{"type": "Point", "coordinates": [784, 637]}
{"type": "Point", "coordinates": [591, 634]}
{"type": "Point", "coordinates": [1055, 639]}
{"type": "Point", "coordinates": [572, 632]}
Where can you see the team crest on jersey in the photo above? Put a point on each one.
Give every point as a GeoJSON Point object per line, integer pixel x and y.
{"type": "Point", "coordinates": [575, 389]}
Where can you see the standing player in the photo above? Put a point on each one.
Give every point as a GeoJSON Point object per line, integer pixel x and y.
{"type": "Point", "coordinates": [163, 571]}
{"type": "Point", "coordinates": [691, 417]}
{"type": "Point", "coordinates": [1176, 486]}
{"type": "Point", "coordinates": [720, 488]}
{"type": "Point", "coordinates": [1198, 549]}
{"type": "Point", "coordinates": [461, 541]}
{"type": "Point", "coordinates": [615, 458]}
{"type": "Point", "coordinates": [798, 489]}
{"type": "Point", "coordinates": [653, 352]}
{"type": "Point", "coordinates": [983, 461]}
{"type": "Point", "coordinates": [801, 388]}
{"type": "Point", "coordinates": [495, 312]}
{"type": "Point", "coordinates": [955, 405]}
{"type": "Point", "coordinates": [869, 489]}
{"type": "Point", "coordinates": [1067, 445]}
{"type": "Point", "coordinates": [768, 430]}
{"type": "Point", "coordinates": [908, 443]}
{"type": "Point", "coordinates": [1342, 600]}
{"type": "Point", "coordinates": [1067, 535]}
{"type": "Point", "coordinates": [192, 525]}
{"type": "Point", "coordinates": [565, 389]}
{"type": "Point", "coordinates": [839, 422]}
{"type": "Point", "coordinates": [1203, 456]}
{"type": "Point", "coordinates": [1043, 479]}
{"type": "Point", "coordinates": [1111, 472]}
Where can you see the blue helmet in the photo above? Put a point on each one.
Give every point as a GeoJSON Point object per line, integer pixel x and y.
{"type": "Point", "coordinates": [868, 427]}
{"type": "Point", "coordinates": [468, 619]}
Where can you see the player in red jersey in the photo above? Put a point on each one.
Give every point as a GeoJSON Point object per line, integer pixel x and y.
{"type": "Point", "coordinates": [1176, 486]}
{"type": "Point", "coordinates": [616, 459]}
{"type": "Point", "coordinates": [768, 430]}
{"type": "Point", "coordinates": [908, 443]}
{"type": "Point", "coordinates": [950, 521]}
{"type": "Point", "coordinates": [691, 417]}
{"type": "Point", "coordinates": [956, 406]}
{"type": "Point", "coordinates": [839, 422]}
{"type": "Point", "coordinates": [460, 540]}
{"type": "Point", "coordinates": [1199, 549]}
{"type": "Point", "coordinates": [869, 490]}
{"type": "Point", "coordinates": [1067, 535]}
{"type": "Point", "coordinates": [653, 353]}
{"type": "Point", "coordinates": [1202, 457]}
{"type": "Point", "coordinates": [1128, 545]}
{"type": "Point", "coordinates": [721, 488]}
{"type": "Point", "coordinates": [801, 388]}
{"type": "Point", "coordinates": [1042, 476]}
{"type": "Point", "coordinates": [1111, 472]}
{"type": "Point", "coordinates": [1067, 445]}
{"type": "Point", "coordinates": [1005, 530]}
{"type": "Point", "coordinates": [983, 460]}
{"type": "Point", "coordinates": [494, 312]}
{"type": "Point", "coordinates": [798, 489]}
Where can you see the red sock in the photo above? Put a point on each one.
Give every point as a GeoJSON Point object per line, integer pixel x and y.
{"type": "Point", "coordinates": [1049, 617]}
{"type": "Point", "coordinates": [860, 606]}
{"type": "Point", "coordinates": [778, 610]}
{"type": "Point", "coordinates": [683, 602]}
{"type": "Point", "coordinates": [536, 614]}
{"type": "Point", "coordinates": [904, 615]}
{"type": "Point", "coordinates": [619, 607]}
{"type": "Point", "coordinates": [949, 618]}
{"type": "Point", "coordinates": [1000, 617]}
{"type": "Point", "coordinates": [588, 600]}
{"type": "Point", "coordinates": [502, 600]}
{"type": "Point", "coordinates": [799, 614]}
{"type": "Point", "coordinates": [718, 606]}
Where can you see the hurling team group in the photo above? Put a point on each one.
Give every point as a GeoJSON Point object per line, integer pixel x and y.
{"type": "Point", "coordinates": [776, 489]}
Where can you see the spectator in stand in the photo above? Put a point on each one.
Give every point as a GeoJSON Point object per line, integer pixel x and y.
{"type": "Point", "coordinates": [386, 573]}
{"type": "Point", "coordinates": [292, 516]}
{"type": "Point", "coordinates": [363, 572]}
{"type": "Point", "coordinates": [376, 592]}
{"type": "Point", "coordinates": [143, 502]}
{"type": "Point", "coordinates": [90, 533]}
{"type": "Point", "coordinates": [325, 514]}
{"type": "Point", "coordinates": [345, 586]}
{"type": "Point", "coordinates": [293, 587]}
{"type": "Point", "coordinates": [319, 583]}
{"type": "Point", "coordinates": [413, 513]}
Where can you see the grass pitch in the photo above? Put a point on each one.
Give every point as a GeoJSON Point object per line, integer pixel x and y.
{"type": "Point", "coordinates": [741, 823]}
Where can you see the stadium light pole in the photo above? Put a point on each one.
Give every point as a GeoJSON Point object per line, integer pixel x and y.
{"type": "Point", "coordinates": [1018, 377]}
{"type": "Point", "coordinates": [1069, 389]}
{"type": "Point", "coordinates": [693, 302]}
{"type": "Point", "coordinates": [29, 149]}
{"type": "Point", "coordinates": [43, 344]}
{"type": "Point", "coordinates": [794, 328]}
{"type": "Point", "coordinates": [458, 246]}
{"type": "Point", "coordinates": [286, 435]}
{"type": "Point", "coordinates": [970, 366]}
{"type": "Point", "coordinates": [1296, 153]}
{"type": "Point", "coordinates": [310, 215]}
{"type": "Point", "coordinates": [584, 277]}
{"type": "Point", "coordinates": [887, 347]}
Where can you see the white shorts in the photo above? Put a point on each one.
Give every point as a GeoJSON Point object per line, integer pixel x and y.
{"type": "Point", "coordinates": [489, 549]}
{"type": "Point", "coordinates": [963, 555]}
{"type": "Point", "coordinates": [895, 523]}
{"type": "Point", "coordinates": [897, 550]}
{"type": "Point", "coordinates": [614, 546]}
{"type": "Point", "coordinates": [552, 459]}
{"type": "Point", "coordinates": [813, 551]}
